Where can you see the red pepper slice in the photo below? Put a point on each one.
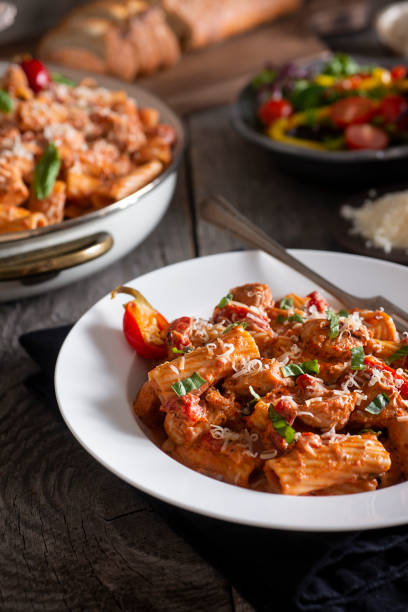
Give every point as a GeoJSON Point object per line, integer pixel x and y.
{"type": "Point", "coordinates": [144, 327]}
{"type": "Point", "coordinates": [376, 363]}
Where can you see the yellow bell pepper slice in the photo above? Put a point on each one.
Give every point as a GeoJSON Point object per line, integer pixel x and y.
{"type": "Point", "coordinates": [279, 128]}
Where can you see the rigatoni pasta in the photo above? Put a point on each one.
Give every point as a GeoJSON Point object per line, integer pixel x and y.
{"type": "Point", "coordinates": [285, 396]}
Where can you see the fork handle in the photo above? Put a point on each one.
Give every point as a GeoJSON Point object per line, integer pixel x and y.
{"type": "Point", "coordinates": [218, 211]}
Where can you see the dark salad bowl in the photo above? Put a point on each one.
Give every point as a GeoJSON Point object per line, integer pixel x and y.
{"type": "Point", "coordinates": [364, 166]}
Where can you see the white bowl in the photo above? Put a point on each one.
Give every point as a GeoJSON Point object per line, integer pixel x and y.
{"type": "Point", "coordinates": [98, 375]}
{"type": "Point", "coordinates": [100, 237]}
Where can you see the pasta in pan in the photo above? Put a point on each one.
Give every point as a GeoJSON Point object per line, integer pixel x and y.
{"type": "Point", "coordinates": [286, 396]}
{"type": "Point", "coordinates": [67, 150]}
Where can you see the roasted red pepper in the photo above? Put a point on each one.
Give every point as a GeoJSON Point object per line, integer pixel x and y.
{"type": "Point", "coordinates": [379, 365]}
{"type": "Point", "coordinates": [144, 327]}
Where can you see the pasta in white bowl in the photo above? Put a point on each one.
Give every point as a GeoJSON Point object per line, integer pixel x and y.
{"type": "Point", "coordinates": [101, 416]}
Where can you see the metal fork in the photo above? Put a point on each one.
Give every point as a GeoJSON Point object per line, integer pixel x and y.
{"type": "Point", "coordinates": [219, 212]}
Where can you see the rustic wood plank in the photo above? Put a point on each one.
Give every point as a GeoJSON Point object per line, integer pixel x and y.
{"type": "Point", "coordinates": [213, 76]}
{"type": "Point", "coordinates": [73, 536]}
{"type": "Point", "coordinates": [292, 210]}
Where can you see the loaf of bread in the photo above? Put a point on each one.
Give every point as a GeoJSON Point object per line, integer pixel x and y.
{"type": "Point", "coordinates": [125, 38]}
{"type": "Point", "coordinates": [201, 22]}
{"type": "Point", "coordinates": [130, 38]}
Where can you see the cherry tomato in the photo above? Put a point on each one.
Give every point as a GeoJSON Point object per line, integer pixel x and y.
{"type": "Point", "coordinates": [274, 109]}
{"type": "Point", "coordinates": [365, 136]}
{"type": "Point", "coordinates": [316, 299]}
{"type": "Point", "coordinates": [399, 72]}
{"type": "Point", "coordinates": [37, 74]}
{"type": "Point", "coordinates": [352, 110]}
{"type": "Point", "coordinates": [391, 107]}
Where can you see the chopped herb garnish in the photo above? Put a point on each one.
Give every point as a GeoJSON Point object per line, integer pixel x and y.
{"type": "Point", "coordinates": [281, 426]}
{"type": "Point", "coordinates": [357, 358]}
{"type": "Point", "coordinates": [46, 172]}
{"type": "Point", "coordinates": [6, 103]}
{"type": "Point", "coordinates": [377, 404]}
{"type": "Point", "coordinates": [368, 430]}
{"type": "Point", "coordinates": [225, 300]}
{"type": "Point", "coordinates": [244, 324]}
{"type": "Point", "coordinates": [343, 313]}
{"type": "Point", "coordinates": [249, 408]}
{"type": "Point", "coordinates": [186, 385]}
{"type": "Point", "coordinates": [296, 369]}
{"type": "Point", "coordinates": [401, 352]}
{"type": "Point", "coordinates": [188, 349]}
{"type": "Point", "coordinates": [297, 318]}
{"type": "Point", "coordinates": [334, 323]}
{"type": "Point", "coordinates": [286, 303]}
{"type": "Point", "coordinates": [281, 318]}
{"type": "Point", "coordinates": [60, 78]}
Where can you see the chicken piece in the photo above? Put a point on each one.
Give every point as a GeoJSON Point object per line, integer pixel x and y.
{"type": "Point", "coordinates": [373, 382]}
{"type": "Point", "coordinates": [53, 205]}
{"type": "Point", "coordinates": [253, 294]}
{"type": "Point", "coordinates": [189, 416]}
{"type": "Point", "coordinates": [327, 411]}
{"type": "Point", "coordinates": [315, 337]}
{"type": "Point", "coordinates": [262, 374]}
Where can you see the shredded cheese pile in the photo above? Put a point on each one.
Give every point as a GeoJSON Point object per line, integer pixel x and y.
{"type": "Point", "coordinates": [382, 222]}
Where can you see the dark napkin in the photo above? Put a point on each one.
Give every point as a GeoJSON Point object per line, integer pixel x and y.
{"type": "Point", "coordinates": [359, 571]}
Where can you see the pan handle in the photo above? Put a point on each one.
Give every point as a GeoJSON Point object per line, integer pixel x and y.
{"type": "Point", "coordinates": [51, 260]}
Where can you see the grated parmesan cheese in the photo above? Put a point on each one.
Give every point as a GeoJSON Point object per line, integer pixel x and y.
{"type": "Point", "coordinates": [382, 222]}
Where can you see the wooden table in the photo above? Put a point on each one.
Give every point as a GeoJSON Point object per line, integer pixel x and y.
{"type": "Point", "coordinates": [72, 535]}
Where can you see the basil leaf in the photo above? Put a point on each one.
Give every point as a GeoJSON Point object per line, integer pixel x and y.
{"type": "Point", "coordinates": [249, 408]}
{"type": "Point", "coordinates": [357, 358]}
{"type": "Point", "coordinates": [46, 172]}
{"type": "Point", "coordinates": [296, 369]}
{"type": "Point", "coordinates": [334, 323]}
{"type": "Point", "coordinates": [281, 426]}
{"type": "Point", "coordinates": [297, 318]}
{"type": "Point", "coordinates": [377, 404]}
{"type": "Point", "coordinates": [343, 313]}
{"type": "Point", "coordinates": [244, 324]}
{"type": "Point", "coordinates": [188, 349]}
{"type": "Point", "coordinates": [369, 430]}
{"type": "Point", "coordinates": [186, 385]}
{"type": "Point", "coordinates": [401, 352]}
{"type": "Point", "coordinates": [6, 103]}
{"type": "Point", "coordinates": [60, 78]}
{"type": "Point", "coordinates": [225, 300]}
{"type": "Point", "coordinates": [286, 303]}
{"type": "Point", "coordinates": [281, 318]}
{"type": "Point", "coordinates": [254, 393]}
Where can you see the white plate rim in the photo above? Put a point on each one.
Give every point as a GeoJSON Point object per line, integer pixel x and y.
{"type": "Point", "coordinates": [321, 507]}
